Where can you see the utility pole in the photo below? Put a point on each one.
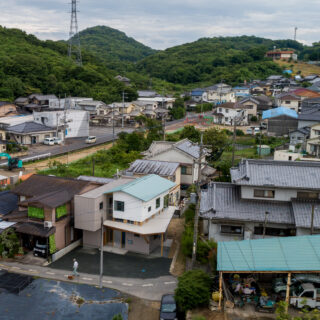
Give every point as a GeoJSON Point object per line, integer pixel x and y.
{"type": "Point", "coordinates": [74, 38]}
{"type": "Point", "coordinates": [101, 253]}
{"type": "Point", "coordinates": [164, 126]}
{"type": "Point", "coordinates": [295, 33]}
{"type": "Point", "coordinates": [93, 165]}
{"type": "Point", "coordinates": [233, 140]}
{"type": "Point", "coordinates": [122, 108]}
{"type": "Point", "coordinates": [312, 219]}
{"type": "Point", "coordinates": [113, 124]}
{"type": "Point", "coordinates": [265, 224]}
{"type": "Point", "coordinates": [196, 216]}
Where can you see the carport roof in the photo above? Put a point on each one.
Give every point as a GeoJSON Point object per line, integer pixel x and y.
{"type": "Point", "coordinates": [157, 225]}
{"type": "Point", "coordinates": [270, 255]}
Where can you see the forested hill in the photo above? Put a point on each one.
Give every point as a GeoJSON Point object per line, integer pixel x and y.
{"type": "Point", "coordinates": [113, 46]}
{"type": "Point", "coordinates": [209, 60]}
{"type": "Point", "coordinates": [28, 65]}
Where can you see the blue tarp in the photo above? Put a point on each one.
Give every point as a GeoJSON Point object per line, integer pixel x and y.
{"type": "Point", "coordinates": [280, 111]}
{"type": "Point", "coordinates": [277, 254]}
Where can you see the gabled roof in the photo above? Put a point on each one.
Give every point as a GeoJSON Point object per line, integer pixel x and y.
{"type": "Point", "coordinates": [303, 92]}
{"type": "Point", "coordinates": [8, 202]}
{"type": "Point", "coordinates": [288, 96]}
{"type": "Point", "coordinates": [277, 112]}
{"type": "Point", "coordinates": [29, 127]}
{"type": "Point", "coordinates": [282, 174]}
{"type": "Point", "coordinates": [305, 131]}
{"type": "Point", "coordinates": [161, 168]}
{"type": "Point", "coordinates": [42, 97]}
{"type": "Point", "coordinates": [38, 185]}
{"type": "Point", "coordinates": [310, 114]}
{"type": "Point", "coordinates": [222, 201]}
{"type": "Point", "coordinates": [275, 254]}
{"type": "Point", "coordinates": [145, 188]}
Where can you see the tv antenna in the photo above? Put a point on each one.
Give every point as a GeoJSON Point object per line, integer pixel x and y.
{"type": "Point", "coordinates": [74, 38]}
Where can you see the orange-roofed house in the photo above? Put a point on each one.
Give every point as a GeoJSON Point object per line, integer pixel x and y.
{"type": "Point", "coordinates": [304, 93]}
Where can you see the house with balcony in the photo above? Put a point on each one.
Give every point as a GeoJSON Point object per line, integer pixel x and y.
{"type": "Point", "coordinates": [226, 113]}
{"type": "Point", "coordinates": [313, 143]}
{"type": "Point", "coordinates": [165, 169]}
{"type": "Point", "coordinates": [46, 211]}
{"type": "Point", "coordinates": [220, 93]}
{"type": "Point", "coordinates": [134, 214]}
{"type": "Point", "coordinates": [266, 198]}
{"type": "Point", "coordinates": [185, 152]}
{"type": "Point", "coordinates": [288, 100]}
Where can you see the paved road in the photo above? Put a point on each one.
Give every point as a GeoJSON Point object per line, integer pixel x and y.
{"type": "Point", "coordinates": [149, 289]}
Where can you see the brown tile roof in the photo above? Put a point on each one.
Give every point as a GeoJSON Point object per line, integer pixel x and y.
{"type": "Point", "coordinates": [34, 229]}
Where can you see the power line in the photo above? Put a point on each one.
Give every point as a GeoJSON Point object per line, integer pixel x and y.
{"type": "Point", "coordinates": [74, 37]}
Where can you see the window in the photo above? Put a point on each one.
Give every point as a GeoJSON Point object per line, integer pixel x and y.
{"type": "Point", "coordinates": [118, 220]}
{"type": "Point", "coordinates": [259, 193]}
{"type": "Point", "coordinates": [231, 229]}
{"type": "Point", "coordinates": [275, 232]}
{"type": "Point", "coordinates": [157, 203]}
{"type": "Point", "coordinates": [184, 186]}
{"type": "Point", "coordinates": [130, 241]}
{"type": "Point", "coordinates": [119, 206]}
{"type": "Point", "coordinates": [307, 195]}
{"type": "Point", "coordinates": [227, 110]}
{"type": "Point", "coordinates": [34, 212]}
{"type": "Point", "coordinates": [130, 221]}
{"type": "Point", "coordinates": [249, 106]}
{"type": "Point", "coordinates": [149, 209]}
{"type": "Point", "coordinates": [287, 102]}
{"type": "Point", "coordinates": [307, 294]}
{"type": "Point", "coordinates": [137, 235]}
{"type": "Point", "coordinates": [186, 170]}
{"type": "Point", "coordinates": [61, 211]}
{"type": "Point", "coordinates": [220, 109]}
{"type": "Point", "coordinates": [166, 201]}
{"type": "Point", "coordinates": [101, 205]}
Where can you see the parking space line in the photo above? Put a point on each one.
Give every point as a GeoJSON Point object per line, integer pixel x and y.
{"type": "Point", "coordinates": [16, 268]}
{"type": "Point", "coordinates": [89, 279]}
{"type": "Point", "coordinates": [31, 270]}
{"type": "Point", "coordinates": [148, 285]}
{"type": "Point", "coordinates": [52, 273]}
{"type": "Point", "coordinates": [127, 284]}
{"type": "Point", "coordinates": [107, 281]}
{"type": "Point", "coordinates": [170, 282]}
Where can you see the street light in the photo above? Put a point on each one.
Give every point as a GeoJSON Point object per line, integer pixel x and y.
{"type": "Point", "coordinates": [265, 223]}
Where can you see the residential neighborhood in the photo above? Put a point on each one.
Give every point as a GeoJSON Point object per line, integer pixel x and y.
{"type": "Point", "coordinates": [157, 166]}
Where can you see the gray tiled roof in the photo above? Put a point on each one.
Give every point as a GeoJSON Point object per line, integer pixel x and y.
{"type": "Point", "coordinates": [95, 179]}
{"type": "Point", "coordinates": [223, 201]}
{"type": "Point", "coordinates": [282, 174]}
{"type": "Point", "coordinates": [188, 147]}
{"type": "Point", "coordinates": [161, 168]}
{"type": "Point", "coordinates": [29, 127]}
{"type": "Point", "coordinates": [312, 114]}
{"type": "Point", "coordinates": [8, 202]}
{"type": "Point", "coordinates": [305, 131]}
{"type": "Point", "coordinates": [302, 211]}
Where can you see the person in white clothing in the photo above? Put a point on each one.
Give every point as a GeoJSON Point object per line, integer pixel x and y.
{"type": "Point", "coordinates": [75, 267]}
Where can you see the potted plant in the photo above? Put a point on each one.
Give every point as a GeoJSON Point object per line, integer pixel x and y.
{"type": "Point", "coordinates": [20, 253]}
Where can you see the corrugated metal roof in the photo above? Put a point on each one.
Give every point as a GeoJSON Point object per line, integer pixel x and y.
{"type": "Point", "coordinates": [276, 254]}
{"type": "Point", "coordinates": [302, 211]}
{"type": "Point", "coordinates": [161, 168]}
{"type": "Point", "coordinates": [280, 111]}
{"type": "Point", "coordinates": [223, 201]}
{"type": "Point", "coordinates": [283, 174]}
{"type": "Point", "coordinates": [146, 188]}
{"type": "Point", "coordinates": [95, 179]}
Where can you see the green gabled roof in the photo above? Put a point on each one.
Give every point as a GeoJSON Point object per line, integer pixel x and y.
{"type": "Point", "coordinates": [277, 254]}
{"type": "Point", "coordinates": [146, 188]}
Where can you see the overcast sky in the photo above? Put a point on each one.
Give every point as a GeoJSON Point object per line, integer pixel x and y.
{"type": "Point", "coordinates": [165, 23]}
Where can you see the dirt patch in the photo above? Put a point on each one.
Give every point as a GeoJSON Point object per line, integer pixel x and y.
{"type": "Point", "coordinates": [143, 309]}
{"type": "Point", "coordinates": [207, 314]}
{"type": "Point", "coordinates": [175, 231]}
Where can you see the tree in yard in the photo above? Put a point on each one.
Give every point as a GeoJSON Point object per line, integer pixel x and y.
{"type": "Point", "coordinates": [117, 317]}
{"type": "Point", "coordinates": [193, 290]}
{"type": "Point", "coordinates": [178, 111]}
{"type": "Point", "coordinates": [216, 139]}
{"type": "Point", "coordinates": [191, 133]}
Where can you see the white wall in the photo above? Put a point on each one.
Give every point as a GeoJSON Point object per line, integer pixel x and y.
{"type": "Point", "coordinates": [135, 209]}
{"type": "Point", "coordinates": [284, 155]}
{"type": "Point", "coordinates": [77, 121]}
{"type": "Point", "coordinates": [280, 194]}
{"type": "Point", "coordinates": [230, 114]}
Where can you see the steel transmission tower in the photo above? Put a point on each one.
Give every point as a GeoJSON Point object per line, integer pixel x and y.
{"type": "Point", "coordinates": [74, 38]}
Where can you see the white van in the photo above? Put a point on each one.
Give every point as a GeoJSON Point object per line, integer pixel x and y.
{"type": "Point", "coordinates": [48, 141]}
{"type": "Point", "coordinates": [305, 294]}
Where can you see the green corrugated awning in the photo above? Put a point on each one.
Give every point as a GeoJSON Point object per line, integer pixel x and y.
{"type": "Point", "coordinates": [277, 254]}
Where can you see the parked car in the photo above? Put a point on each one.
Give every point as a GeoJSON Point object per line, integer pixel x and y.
{"type": "Point", "coordinates": [40, 249]}
{"type": "Point", "coordinates": [305, 295]}
{"type": "Point", "coordinates": [249, 131]}
{"type": "Point", "coordinates": [263, 125]}
{"type": "Point", "coordinates": [48, 141]}
{"type": "Point", "coordinates": [91, 139]}
{"type": "Point", "coordinates": [168, 308]}
{"type": "Point", "coordinates": [57, 140]}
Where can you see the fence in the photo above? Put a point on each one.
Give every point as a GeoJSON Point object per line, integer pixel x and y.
{"type": "Point", "coordinates": [66, 250]}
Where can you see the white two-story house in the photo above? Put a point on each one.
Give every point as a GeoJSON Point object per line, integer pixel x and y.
{"type": "Point", "coordinates": [313, 143]}
{"type": "Point", "coordinates": [265, 199]}
{"type": "Point", "coordinates": [220, 93]}
{"type": "Point", "coordinates": [134, 214]}
{"type": "Point", "coordinates": [288, 100]}
{"type": "Point", "coordinates": [227, 112]}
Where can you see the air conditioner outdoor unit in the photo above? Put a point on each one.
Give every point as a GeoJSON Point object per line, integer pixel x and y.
{"type": "Point", "coordinates": [48, 224]}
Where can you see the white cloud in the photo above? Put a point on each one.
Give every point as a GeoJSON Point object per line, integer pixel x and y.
{"type": "Point", "coordinates": [162, 24]}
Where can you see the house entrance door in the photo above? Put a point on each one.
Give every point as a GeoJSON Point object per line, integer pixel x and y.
{"type": "Point", "coordinates": [123, 239]}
